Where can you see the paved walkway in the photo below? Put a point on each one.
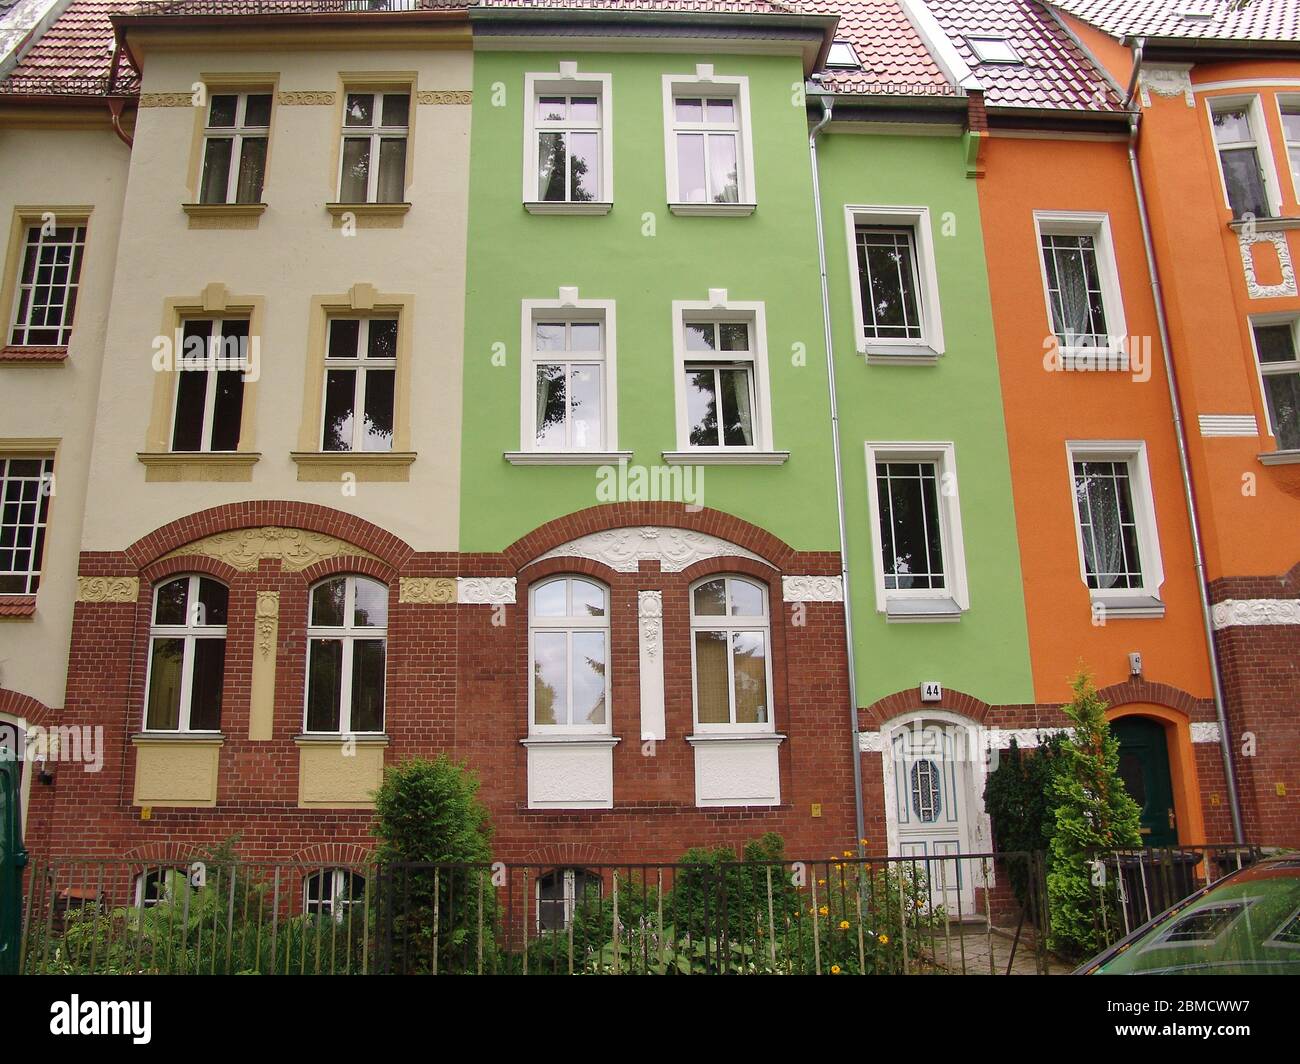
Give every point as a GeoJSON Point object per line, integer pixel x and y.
{"type": "Point", "coordinates": [967, 948]}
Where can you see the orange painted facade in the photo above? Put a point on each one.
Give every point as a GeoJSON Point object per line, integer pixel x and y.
{"type": "Point", "coordinates": [1047, 407]}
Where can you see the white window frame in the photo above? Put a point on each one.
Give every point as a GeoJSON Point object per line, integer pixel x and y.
{"type": "Point", "coordinates": [215, 360]}
{"type": "Point", "coordinates": [358, 365]}
{"type": "Point", "coordinates": [1141, 601]}
{"type": "Point", "coordinates": [1273, 369]}
{"type": "Point", "coordinates": [837, 59]}
{"type": "Point", "coordinates": [704, 82]}
{"type": "Point", "coordinates": [377, 132]}
{"type": "Point", "coordinates": [719, 308]}
{"type": "Point", "coordinates": [568, 82]}
{"type": "Point", "coordinates": [190, 632]}
{"type": "Point", "coordinates": [237, 133]}
{"type": "Point", "coordinates": [1283, 100]}
{"type": "Point", "coordinates": [976, 40]}
{"type": "Point", "coordinates": [71, 288]}
{"type": "Point", "coordinates": [568, 902]}
{"type": "Point", "coordinates": [348, 633]}
{"type": "Point", "coordinates": [1260, 140]}
{"type": "Point", "coordinates": [44, 491]}
{"type": "Point", "coordinates": [569, 625]}
{"type": "Point", "coordinates": [336, 906]}
{"type": "Point", "coordinates": [898, 351]}
{"type": "Point", "coordinates": [727, 623]}
{"type": "Point", "coordinates": [1095, 224]}
{"type": "Point", "coordinates": [921, 604]}
{"type": "Point", "coordinates": [568, 307]}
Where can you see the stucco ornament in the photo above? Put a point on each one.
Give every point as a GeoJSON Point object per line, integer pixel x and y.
{"type": "Point", "coordinates": [306, 99]}
{"type": "Point", "coordinates": [1205, 731]}
{"type": "Point", "coordinates": [650, 613]}
{"type": "Point", "coordinates": [294, 548]}
{"type": "Point", "coordinates": [812, 589]}
{"type": "Point", "coordinates": [166, 99]}
{"type": "Point", "coordinates": [108, 588]}
{"type": "Point", "coordinates": [426, 590]}
{"type": "Point", "coordinates": [446, 97]}
{"type": "Point", "coordinates": [1167, 81]}
{"type": "Point", "coordinates": [675, 549]}
{"type": "Point", "coordinates": [485, 590]}
{"type": "Point", "coordinates": [268, 621]}
{"type": "Point", "coordinates": [1285, 287]}
{"type": "Point", "coordinates": [1231, 612]}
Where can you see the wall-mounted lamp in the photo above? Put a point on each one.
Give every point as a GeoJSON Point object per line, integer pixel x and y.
{"type": "Point", "coordinates": [1135, 664]}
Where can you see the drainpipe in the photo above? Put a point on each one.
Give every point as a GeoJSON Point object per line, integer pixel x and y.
{"type": "Point", "coordinates": [115, 116]}
{"type": "Point", "coordinates": [827, 103]}
{"type": "Point", "coordinates": [1180, 433]}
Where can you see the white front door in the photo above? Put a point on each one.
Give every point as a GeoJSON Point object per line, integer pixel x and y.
{"type": "Point", "coordinates": [930, 785]}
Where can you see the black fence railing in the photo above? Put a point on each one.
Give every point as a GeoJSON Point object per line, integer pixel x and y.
{"type": "Point", "coordinates": [965, 914]}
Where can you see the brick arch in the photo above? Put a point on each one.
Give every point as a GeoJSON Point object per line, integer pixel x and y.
{"type": "Point", "coordinates": [24, 707]}
{"type": "Point", "coordinates": [161, 853]}
{"type": "Point", "coordinates": [629, 514]}
{"type": "Point", "coordinates": [334, 854]}
{"type": "Point", "coordinates": [164, 568]}
{"type": "Point", "coordinates": [235, 516]}
{"type": "Point", "coordinates": [351, 565]}
{"type": "Point", "coordinates": [564, 855]}
{"type": "Point", "coordinates": [909, 701]}
{"type": "Point", "coordinates": [1183, 775]}
{"type": "Point", "coordinates": [1136, 689]}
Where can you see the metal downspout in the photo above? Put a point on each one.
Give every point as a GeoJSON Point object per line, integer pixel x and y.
{"type": "Point", "coordinates": [1184, 465]}
{"type": "Point", "coordinates": [859, 820]}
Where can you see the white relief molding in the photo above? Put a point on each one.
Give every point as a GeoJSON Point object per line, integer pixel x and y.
{"type": "Point", "coordinates": [1203, 732]}
{"type": "Point", "coordinates": [1168, 81]}
{"type": "Point", "coordinates": [650, 617]}
{"type": "Point", "coordinates": [1233, 612]}
{"type": "Point", "coordinates": [812, 589]}
{"type": "Point", "coordinates": [485, 590]}
{"type": "Point", "coordinates": [675, 549]}
{"type": "Point", "coordinates": [1287, 286]}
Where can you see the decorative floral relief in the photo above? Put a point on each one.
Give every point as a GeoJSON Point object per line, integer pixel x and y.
{"type": "Point", "coordinates": [485, 590]}
{"type": "Point", "coordinates": [446, 96]}
{"type": "Point", "coordinates": [306, 99]}
{"type": "Point", "coordinates": [675, 549]}
{"type": "Point", "coordinates": [650, 611]}
{"type": "Point", "coordinates": [295, 548]}
{"type": "Point", "coordinates": [426, 591]}
{"type": "Point", "coordinates": [1287, 286]}
{"type": "Point", "coordinates": [1167, 81]}
{"type": "Point", "coordinates": [166, 99]}
{"type": "Point", "coordinates": [1205, 732]}
{"type": "Point", "coordinates": [268, 621]}
{"type": "Point", "coordinates": [812, 589]}
{"type": "Point", "coordinates": [108, 588]}
{"type": "Point", "coordinates": [1232, 612]}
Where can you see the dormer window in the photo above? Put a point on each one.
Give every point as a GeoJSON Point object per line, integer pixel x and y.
{"type": "Point", "coordinates": [842, 56]}
{"type": "Point", "coordinates": [994, 50]}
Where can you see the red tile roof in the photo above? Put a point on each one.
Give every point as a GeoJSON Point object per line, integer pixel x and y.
{"type": "Point", "coordinates": [894, 58]}
{"type": "Point", "coordinates": [73, 56]}
{"type": "Point", "coordinates": [1259, 20]}
{"type": "Point", "coordinates": [1056, 74]}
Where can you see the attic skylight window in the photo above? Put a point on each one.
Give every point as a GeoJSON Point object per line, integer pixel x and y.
{"type": "Point", "coordinates": [993, 50]}
{"type": "Point", "coordinates": [1198, 10]}
{"type": "Point", "coordinates": [842, 56]}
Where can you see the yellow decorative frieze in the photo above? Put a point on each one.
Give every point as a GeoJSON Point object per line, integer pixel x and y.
{"type": "Point", "coordinates": [166, 99]}
{"type": "Point", "coordinates": [446, 97]}
{"type": "Point", "coordinates": [426, 590]}
{"type": "Point", "coordinates": [306, 99]}
{"type": "Point", "coordinates": [108, 588]}
{"type": "Point", "coordinates": [294, 548]}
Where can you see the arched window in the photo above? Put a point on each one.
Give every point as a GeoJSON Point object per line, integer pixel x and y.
{"type": "Point", "coordinates": [187, 655]}
{"type": "Point", "coordinates": [568, 652]}
{"type": "Point", "coordinates": [730, 657]}
{"type": "Point", "coordinates": [564, 891]}
{"type": "Point", "coordinates": [347, 633]}
{"type": "Point", "coordinates": [333, 891]}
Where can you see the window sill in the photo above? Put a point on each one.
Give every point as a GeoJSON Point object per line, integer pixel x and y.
{"type": "Point", "coordinates": [1138, 607]}
{"type": "Point", "coordinates": [365, 466]}
{"type": "Point", "coordinates": [1272, 458]}
{"type": "Point", "coordinates": [770, 737]}
{"type": "Point", "coordinates": [224, 215]}
{"type": "Point", "coordinates": [1265, 225]}
{"type": "Point", "coordinates": [921, 610]}
{"type": "Point", "coordinates": [1093, 359]}
{"type": "Point", "coordinates": [899, 354]}
{"type": "Point", "coordinates": [208, 466]}
{"type": "Point", "coordinates": [17, 607]}
{"type": "Point", "coordinates": [547, 207]}
{"type": "Point", "coordinates": [155, 738]}
{"type": "Point", "coordinates": [572, 739]}
{"type": "Point", "coordinates": [720, 210]}
{"type": "Point", "coordinates": [33, 356]}
{"type": "Point", "coordinates": [369, 215]}
{"type": "Point", "coordinates": [725, 457]}
{"type": "Point", "coordinates": [338, 739]}
{"type": "Point", "coordinates": [567, 458]}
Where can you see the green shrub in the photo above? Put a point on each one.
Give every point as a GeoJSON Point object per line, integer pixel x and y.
{"type": "Point", "coordinates": [1017, 797]}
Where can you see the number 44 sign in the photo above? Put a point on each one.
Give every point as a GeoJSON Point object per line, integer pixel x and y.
{"type": "Point", "coordinates": [931, 691]}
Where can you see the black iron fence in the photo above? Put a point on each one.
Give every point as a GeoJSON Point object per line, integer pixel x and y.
{"type": "Point", "coordinates": [947, 914]}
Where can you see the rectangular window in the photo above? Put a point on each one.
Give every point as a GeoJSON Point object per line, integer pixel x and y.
{"type": "Point", "coordinates": [234, 147]}
{"type": "Point", "coordinates": [568, 149]}
{"type": "Point", "coordinates": [719, 384]}
{"type": "Point", "coordinates": [1236, 135]}
{"type": "Point", "coordinates": [1115, 526]}
{"type": "Point", "coordinates": [895, 289]}
{"type": "Point", "coordinates": [25, 488]}
{"type": "Point", "coordinates": [888, 283]}
{"type": "Point", "coordinates": [916, 531]}
{"type": "Point", "coordinates": [568, 365]}
{"type": "Point", "coordinates": [1279, 368]}
{"type": "Point", "coordinates": [1291, 135]}
{"type": "Point", "coordinates": [49, 277]}
{"type": "Point", "coordinates": [373, 165]}
{"type": "Point", "coordinates": [1081, 282]}
{"type": "Point", "coordinates": [360, 377]}
{"type": "Point", "coordinates": [210, 370]}
{"type": "Point", "coordinates": [708, 143]}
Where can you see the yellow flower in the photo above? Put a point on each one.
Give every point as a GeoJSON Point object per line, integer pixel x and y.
{"type": "Point", "coordinates": [824, 911]}
{"type": "Point", "coordinates": [884, 940]}
{"type": "Point", "coordinates": [844, 925]}
{"type": "Point", "coordinates": [848, 853]}
{"type": "Point", "coordinates": [863, 841]}
{"type": "Point", "coordinates": [920, 904]}
{"type": "Point", "coordinates": [821, 882]}
{"type": "Point", "coordinates": [835, 969]}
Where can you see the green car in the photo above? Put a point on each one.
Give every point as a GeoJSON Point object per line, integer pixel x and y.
{"type": "Point", "coordinates": [1248, 923]}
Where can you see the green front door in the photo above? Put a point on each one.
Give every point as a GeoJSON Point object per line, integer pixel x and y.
{"type": "Point", "coordinates": [12, 859]}
{"type": "Point", "coordinates": [1144, 768]}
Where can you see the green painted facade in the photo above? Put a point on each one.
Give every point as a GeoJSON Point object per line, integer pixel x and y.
{"type": "Point", "coordinates": [959, 400]}
{"type": "Point", "coordinates": [770, 256]}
